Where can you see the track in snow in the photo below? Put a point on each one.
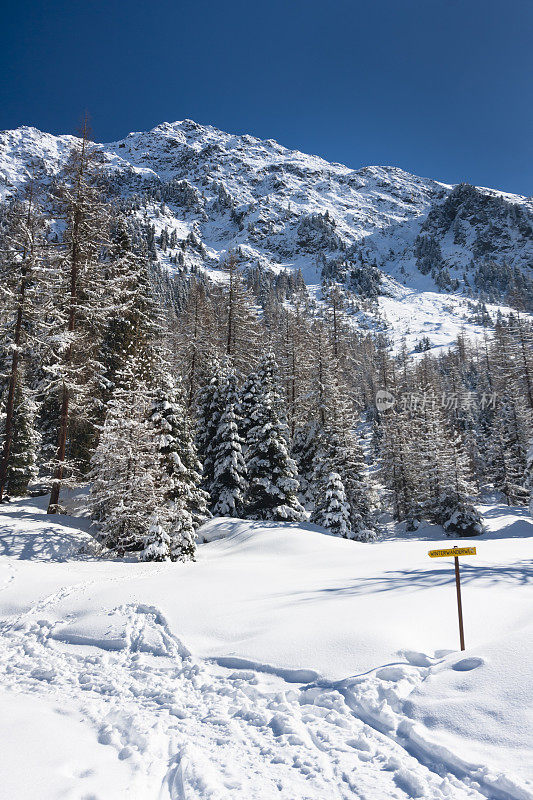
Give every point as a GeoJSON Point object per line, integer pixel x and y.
{"type": "Point", "coordinates": [197, 730]}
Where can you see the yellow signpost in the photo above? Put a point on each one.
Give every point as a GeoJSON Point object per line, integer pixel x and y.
{"type": "Point", "coordinates": [455, 552]}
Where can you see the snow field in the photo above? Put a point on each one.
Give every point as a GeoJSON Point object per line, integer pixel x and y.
{"type": "Point", "coordinates": [441, 317]}
{"type": "Point", "coordinates": [284, 664]}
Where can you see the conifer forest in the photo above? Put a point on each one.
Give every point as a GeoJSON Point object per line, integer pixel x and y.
{"type": "Point", "coordinates": [178, 398]}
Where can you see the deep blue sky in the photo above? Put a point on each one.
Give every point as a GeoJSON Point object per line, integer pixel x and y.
{"type": "Point", "coordinates": [442, 88]}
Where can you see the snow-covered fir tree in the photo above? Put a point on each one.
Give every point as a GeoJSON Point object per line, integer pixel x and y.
{"type": "Point", "coordinates": [332, 510]}
{"type": "Point", "coordinates": [508, 448]}
{"type": "Point", "coordinates": [184, 499]}
{"type": "Point", "coordinates": [22, 462]}
{"type": "Point", "coordinates": [246, 404]}
{"type": "Point", "coordinates": [341, 452]}
{"type": "Point", "coordinates": [398, 463]}
{"type": "Point", "coordinates": [423, 460]}
{"type": "Point", "coordinates": [327, 440]}
{"type": "Point", "coordinates": [455, 510]}
{"type": "Point", "coordinates": [210, 405]}
{"type": "Point", "coordinates": [272, 474]}
{"type": "Point", "coordinates": [306, 452]}
{"type": "Point", "coordinates": [229, 485]}
{"type": "Point", "coordinates": [127, 480]}
{"type": "Point", "coordinates": [157, 543]}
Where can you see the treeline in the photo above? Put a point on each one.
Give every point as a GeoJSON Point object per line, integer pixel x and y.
{"type": "Point", "coordinates": [177, 398]}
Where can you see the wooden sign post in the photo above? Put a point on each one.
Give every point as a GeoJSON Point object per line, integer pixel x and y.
{"type": "Point", "coordinates": [456, 552]}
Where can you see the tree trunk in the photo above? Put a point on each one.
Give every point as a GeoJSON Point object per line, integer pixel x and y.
{"type": "Point", "coordinates": [10, 405]}
{"type": "Point", "coordinates": [6, 451]}
{"type": "Point", "coordinates": [65, 401]}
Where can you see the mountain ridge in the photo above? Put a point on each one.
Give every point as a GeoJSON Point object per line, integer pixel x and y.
{"type": "Point", "coordinates": [178, 125]}
{"type": "Point", "coordinates": [374, 229]}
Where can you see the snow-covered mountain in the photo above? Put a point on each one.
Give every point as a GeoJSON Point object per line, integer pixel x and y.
{"type": "Point", "coordinates": [379, 230]}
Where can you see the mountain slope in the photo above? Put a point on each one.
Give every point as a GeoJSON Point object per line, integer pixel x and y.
{"type": "Point", "coordinates": [372, 229]}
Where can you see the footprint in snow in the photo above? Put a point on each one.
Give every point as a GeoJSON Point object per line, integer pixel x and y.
{"type": "Point", "coordinates": [467, 664]}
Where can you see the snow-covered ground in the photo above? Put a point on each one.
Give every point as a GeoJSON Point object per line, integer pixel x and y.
{"type": "Point", "coordinates": [285, 663]}
{"type": "Point", "coordinates": [412, 315]}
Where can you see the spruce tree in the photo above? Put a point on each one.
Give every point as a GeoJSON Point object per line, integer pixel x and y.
{"type": "Point", "coordinates": [455, 510]}
{"type": "Point", "coordinates": [246, 405]}
{"type": "Point", "coordinates": [229, 469]}
{"type": "Point", "coordinates": [398, 463]}
{"type": "Point", "coordinates": [184, 500]}
{"type": "Point", "coordinates": [126, 470]}
{"type": "Point", "coordinates": [344, 455]}
{"type": "Point", "coordinates": [210, 405]}
{"type": "Point", "coordinates": [21, 466]}
{"type": "Point", "coordinates": [306, 451]}
{"type": "Point", "coordinates": [508, 449]}
{"type": "Point", "coordinates": [332, 510]}
{"type": "Point", "coordinates": [157, 544]}
{"type": "Point", "coordinates": [272, 473]}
